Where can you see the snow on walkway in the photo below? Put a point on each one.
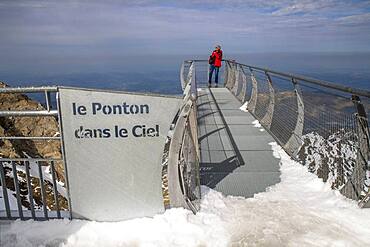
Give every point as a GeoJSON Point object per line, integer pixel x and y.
{"type": "Point", "coordinates": [299, 211]}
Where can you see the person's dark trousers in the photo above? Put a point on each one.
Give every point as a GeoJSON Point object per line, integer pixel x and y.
{"type": "Point", "coordinates": [211, 69]}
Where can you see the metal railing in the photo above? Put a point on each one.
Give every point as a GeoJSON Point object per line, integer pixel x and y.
{"type": "Point", "coordinates": [34, 185]}
{"type": "Point", "coordinates": [320, 124]}
{"type": "Point", "coordinates": [32, 174]}
{"type": "Point", "coordinates": [183, 160]}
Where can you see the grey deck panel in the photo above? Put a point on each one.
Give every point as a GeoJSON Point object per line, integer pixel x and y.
{"type": "Point", "coordinates": [245, 184]}
{"type": "Point", "coordinates": [236, 157]}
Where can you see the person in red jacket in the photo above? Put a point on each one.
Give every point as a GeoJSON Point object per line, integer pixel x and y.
{"type": "Point", "coordinates": [214, 64]}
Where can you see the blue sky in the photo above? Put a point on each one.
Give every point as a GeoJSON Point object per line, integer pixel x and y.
{"type": "Point", "coordinates": [33, 30]}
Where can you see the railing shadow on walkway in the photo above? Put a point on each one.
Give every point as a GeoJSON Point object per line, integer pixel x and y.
{"type": "Point", "coordinates": [320, 124]}
{"type": "Point", "coordinates": [214, 172]}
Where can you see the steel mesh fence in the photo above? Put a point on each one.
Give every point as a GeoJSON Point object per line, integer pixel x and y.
{"type": "Point", "coordinates": [231, 75]}
{"type": "Point", "coordinates": [202, 70]}
{"type": "Point", "coordinates": [185, 72]}
{"type": "Point", "coordinates": [366, 103]}
{"type": "Point", "coordinates": [263, 95]}
{"type": "Point", "coordinates": [248, 83]}
{"type": "Point", "coordinates": [330, 139]}
{"type": "Point", "coordinates": [241, 82]}
{"type": "Point", "coordinates": [285, 110]}
{"type": "Point", "coordinates": [321, 125]}
{"type": "Point", "coordinates": [189, 166]}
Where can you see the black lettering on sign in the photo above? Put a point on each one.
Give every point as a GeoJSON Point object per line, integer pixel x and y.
{"type": "Point", "coordinates": [124, 108]}
{"type": "Point", "coordinates": [81, 110]}
{"type": "Point", "coordinates": [95, 107]}
{"type": "Point", "coordinates": [120, 132]}
{"type": "Point", "coordinates": [92, 133]}
{"type": "Point", "coordinates": [144, 131]}
{"type": "Point", "coordinates": [140, 130]}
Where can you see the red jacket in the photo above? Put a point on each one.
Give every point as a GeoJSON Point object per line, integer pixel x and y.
{"type": "Point", "coordinates": [217, 57]}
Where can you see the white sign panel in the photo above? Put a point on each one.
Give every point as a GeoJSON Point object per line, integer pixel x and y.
{"type": "Point", "coordinates": [113, 147]}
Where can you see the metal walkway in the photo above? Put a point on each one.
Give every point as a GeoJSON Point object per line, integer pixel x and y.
{"type": "Point", "coordinates": [210, 141]}
{"type": "Point", "coordinates": [236, 158]}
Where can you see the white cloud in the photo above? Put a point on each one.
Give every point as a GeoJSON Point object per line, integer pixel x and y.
{"type": "Point", "coordinates": [172, 25]}
{"type": "Point", "coordinates": [355, 19]}
{"type": "Point", "coordinates": [305, 7]}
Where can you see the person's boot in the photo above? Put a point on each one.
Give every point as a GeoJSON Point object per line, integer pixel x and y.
{"type": "Point", "coordinates": [209, 84]}
{"type": "Point", "coordinates": [216, 85]}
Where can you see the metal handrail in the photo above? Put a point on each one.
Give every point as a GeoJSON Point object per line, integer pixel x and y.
{"type": "Point", "coordinates": [46, 90]}
{"type": "Point", "coordinates": [27, 113]}
{"type": "Point", "coordinates": [28, 159]}
{"type": "Point", "coordinates": [28, 89]}
{"type": "Point", "coordinates": [30, 137]}
{"type": "Point", "coordinates": [357, 91]}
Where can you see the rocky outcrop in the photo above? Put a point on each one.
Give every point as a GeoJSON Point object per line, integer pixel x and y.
{"type": "Point", "coordinates": [28, 126]}
{"type": "Point", "coordinates": [332, 158]}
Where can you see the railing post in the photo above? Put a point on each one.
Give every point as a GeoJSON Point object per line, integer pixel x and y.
{"type": "Point", "coordinates": [5, 191]}
{"type": "Point", "coordinates": [231, 75]}
{"type": "Point", "coordinates": [226, 73]}
{"type": "Point", "coordinates": [355, 187]}
{"type": "Point", "coordinates": [43, 191]}
{"type": "Point", "coordinates": [239, 80]}
{"type": "Point", "coordinates": [182, 79]}
{"type": "Point", "coordinates": [228, 78]}
{"type": "Point", "coordinates": [240, 94]}
{"type": "Point", "coordinates": [244, 89]}
{"type": "Point", "coordinates": [190, 74]}
{"type": "Point", "coordinates": [47, 100]}
{"type": "Point", "coordinates": [62, 148]}
{"type": "Point", "coordinates": [295, 140]}
{"type": "Point", "coordinates": [189, 78]}
{"type": "Point", "coordinates": [193, 85]}
{"type": "Point", "coordinates": [235, 71]}
{"type": "Point", "coordinates": [235, 87]}
{"type": "Point", "coordinates": [193, 113]}
{"type": "Point", "coordinates": [30, 189]}
{"type": "Point", "coordinates": [267, 119]}
{"type": "Point", "coordinates": [193, 127]}
{"type": "Point", "coordinates": [253, 100]}
{"type": "Point", "coordinates": [176, 195]}
{"type": "Point", "coordinates": [17, 190]}
{"type": "Point", "coordinates": [55, 188]}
